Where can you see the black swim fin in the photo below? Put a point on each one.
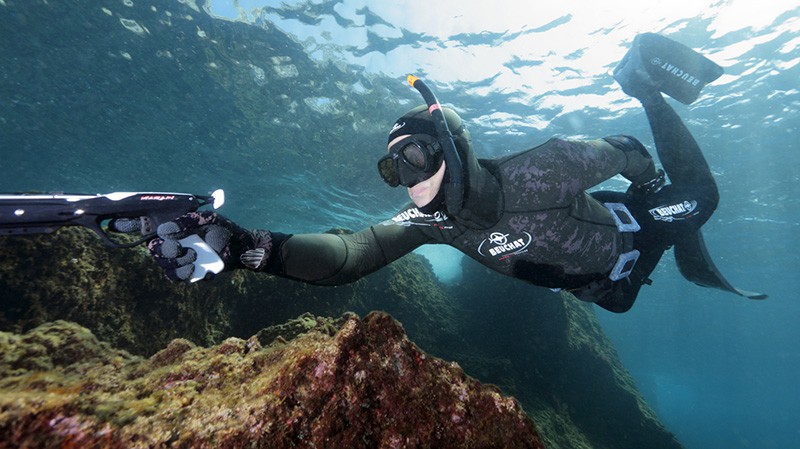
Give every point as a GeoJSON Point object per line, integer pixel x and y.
{"type": "Point", "coordinates": [656, 63]}
{"type": "Point", "coordinates": [695, 265]}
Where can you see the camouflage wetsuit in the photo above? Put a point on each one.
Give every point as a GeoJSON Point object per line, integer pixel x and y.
{"type": "Point", "coordinates": [528, 216]}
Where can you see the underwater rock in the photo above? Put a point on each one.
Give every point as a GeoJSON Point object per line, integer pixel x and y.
{"type": "Point", "coordinates": [549, 351]}
{"type": "Point", "coordinates": [117, 294]}
{"type": "Point", "coordinates": [124, 299]}
{"type": "Point", "coordinates": [366, 385]}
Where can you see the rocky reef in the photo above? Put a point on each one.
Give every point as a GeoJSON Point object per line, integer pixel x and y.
{"type": "Point", "coordinates": [345, 383]}
{"type": "Point", "coordinates": [549, 351]}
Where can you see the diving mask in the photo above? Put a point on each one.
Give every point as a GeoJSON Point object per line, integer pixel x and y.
{"type": "Point", "coordinates": [411, 161]}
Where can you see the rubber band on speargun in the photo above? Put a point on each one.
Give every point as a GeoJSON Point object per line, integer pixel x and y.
{"type": "Point", "coordinates": [454, 192]}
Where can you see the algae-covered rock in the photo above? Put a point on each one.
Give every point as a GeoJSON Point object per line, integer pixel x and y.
{"type": "Point", "coordinates": [118, 294]}
{"type": "Point", "coordinates": [366, 385]}
{"type": "Point", "coordinates": [549, 351]}
{"type": "Point", "coordinates": [124, 299]}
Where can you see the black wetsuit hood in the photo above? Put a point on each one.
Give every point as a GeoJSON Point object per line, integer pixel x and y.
{"type": "Point", "coordinates": [483, 198]}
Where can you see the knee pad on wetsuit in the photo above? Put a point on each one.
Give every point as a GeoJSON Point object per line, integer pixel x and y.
{"type": "Point", "coordinates": [640, 168]}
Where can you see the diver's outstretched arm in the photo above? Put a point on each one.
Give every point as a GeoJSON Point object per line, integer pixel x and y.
{"type": "Point", "coordinates": [321, 259]}
{"type": "Point", "coordinates": [336, 259]}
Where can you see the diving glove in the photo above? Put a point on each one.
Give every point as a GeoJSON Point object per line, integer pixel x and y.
{"type": "Point", "coordinates": [640, 169]}
{"type": "Point", "coordinates": [236, 246]}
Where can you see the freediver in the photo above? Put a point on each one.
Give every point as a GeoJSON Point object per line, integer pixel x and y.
{"type": "Point", "coordinates": [527, 215]}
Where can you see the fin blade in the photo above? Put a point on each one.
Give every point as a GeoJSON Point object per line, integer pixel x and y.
{"type": "Point", "coordinates": [695, 265]}
{"type": "Point", "coordinates": [667, 66]}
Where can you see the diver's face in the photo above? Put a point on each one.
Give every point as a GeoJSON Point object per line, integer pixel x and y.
{"type": "Point", "coordinates": [424, 192]}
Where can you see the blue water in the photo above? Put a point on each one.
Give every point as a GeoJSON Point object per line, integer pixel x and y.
{"type": "Point", "coordinates": [720, 371]}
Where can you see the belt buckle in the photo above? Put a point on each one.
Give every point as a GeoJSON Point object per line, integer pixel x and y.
{"type": "Point", "coordinates": [623, 217]}
{"type": "Point", "coordinates": [624, 266]}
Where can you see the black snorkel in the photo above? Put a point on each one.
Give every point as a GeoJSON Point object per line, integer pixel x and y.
{"type": "Point", "coordinates": [454, 192]}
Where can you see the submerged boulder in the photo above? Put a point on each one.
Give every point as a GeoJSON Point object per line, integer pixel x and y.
{"type": "Point", "coordinates": [345, 383]}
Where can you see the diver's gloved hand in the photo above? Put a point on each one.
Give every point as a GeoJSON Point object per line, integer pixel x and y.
{"type": "Point", "coordinates": [640, 169]}
{"type": "Point", "coordinates": [236, 246]}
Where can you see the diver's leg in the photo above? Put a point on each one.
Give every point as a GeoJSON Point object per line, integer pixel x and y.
{"type": "Point", "coordinates": [678, 151]}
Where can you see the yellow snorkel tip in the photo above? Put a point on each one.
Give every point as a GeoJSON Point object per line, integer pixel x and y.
{"type": "Point", "coordinates": [412, 79]}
